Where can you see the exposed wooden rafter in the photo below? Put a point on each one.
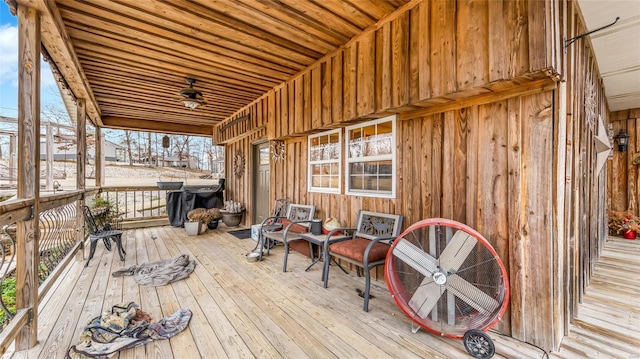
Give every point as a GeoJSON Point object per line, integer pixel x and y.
{"type": "Point", "coordinates": [129, 60]}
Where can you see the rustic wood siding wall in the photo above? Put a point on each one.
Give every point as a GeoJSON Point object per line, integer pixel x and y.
{"type": "Point", "coordinates": [585, 197]}
{"type": "Point", "coordinates": [238, 188]}
{"type": "Point", "coordinates": [623, 178]}
{"type": "Point", "coordinates": [489, 166]}
{"type": "Point", "coordinates": [489, 141]}
{"type": "Point", "coordinates": [431, 54]}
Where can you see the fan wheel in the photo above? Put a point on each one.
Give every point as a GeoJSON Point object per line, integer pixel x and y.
{"type": "Point", "coordinates": [447, 278]}
{"type": "Point", "coordinates": [478, 344]}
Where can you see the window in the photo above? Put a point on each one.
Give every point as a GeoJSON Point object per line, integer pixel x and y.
{"type": "Point", "coordinates": [324, 162]}
{"type": "Point", "coordinates": [371, 158]}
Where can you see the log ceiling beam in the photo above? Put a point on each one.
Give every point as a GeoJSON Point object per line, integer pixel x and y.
{"type": "Point", "coordinates": [121, 123]}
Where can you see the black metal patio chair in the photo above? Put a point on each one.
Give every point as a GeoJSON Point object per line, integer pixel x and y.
{"type": "Point", "coordinates": [101, 231]}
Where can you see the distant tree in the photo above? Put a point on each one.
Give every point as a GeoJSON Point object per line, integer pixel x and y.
{"type": "Point", "coordinates": [54, 113]}
{"type": "Point", "coordinates": [128, 142]}
{"type": "Point", "coordinates": [181, 147]}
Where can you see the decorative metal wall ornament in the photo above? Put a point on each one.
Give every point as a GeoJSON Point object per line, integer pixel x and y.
{"type": "Point", "coordinates": [238, 164]}
{"type": "Point", "coordinates": [602, 146]}
{"type": "Point", "coordinates": [277, 151]}
{"type": "Point", "coordinates": [590, 102]}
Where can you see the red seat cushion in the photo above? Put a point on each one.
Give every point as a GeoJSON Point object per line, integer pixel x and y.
{"type": "Point", "coordinates": [354, 249]}
{"type": "Point", "coordinates": [296, 228]}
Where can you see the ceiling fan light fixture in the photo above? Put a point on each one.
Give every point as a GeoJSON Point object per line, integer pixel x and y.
{"type": "Point", "coordinates": [191, 98]}
{"type": "Point", "coordinates": [190, 104]}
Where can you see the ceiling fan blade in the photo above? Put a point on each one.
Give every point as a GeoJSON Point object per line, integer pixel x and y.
{"type": "Point", "coordinates": [457, 251]}
{"type": "Point", "coordinates": [415, 257]}
{"type": "Point", "coordinates": [425, 297]}
{"type": "Point", "coordinates": [471, 295]}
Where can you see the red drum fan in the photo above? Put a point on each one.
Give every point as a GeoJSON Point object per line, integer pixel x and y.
{"type": "Point", "coordinates": [447, 278]}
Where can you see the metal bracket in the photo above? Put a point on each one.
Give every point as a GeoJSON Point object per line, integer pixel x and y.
{"type": "Point", "coordinates": [414, 328]}
{"type": "Point", "coordinates": [570, 41]}
{"type": "Point", "coordinates": [30, 313]}
{"type": "Point", "coordinates": [31, 213]}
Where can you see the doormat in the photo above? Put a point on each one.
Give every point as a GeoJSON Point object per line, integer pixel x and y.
{"type": "Point", "coordinates": [241, 233]}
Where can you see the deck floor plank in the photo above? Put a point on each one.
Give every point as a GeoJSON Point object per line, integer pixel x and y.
{"type": "Point", "coordinates": [245, 309]}
{"type": "Point", "coordinates": [608, 320]}
{"type": "Point", "coordinates": [130, 290]}
{"type": "Point", "coordinates": [204, 336]}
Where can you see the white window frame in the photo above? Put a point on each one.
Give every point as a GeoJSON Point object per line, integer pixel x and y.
{"type": "Point", "coordinates": [391, 156]}
{"type": "Point", "coordinates": [310, 163]}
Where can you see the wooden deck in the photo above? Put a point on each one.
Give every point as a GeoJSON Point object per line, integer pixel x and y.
{"type": "Point", "coordinates": [608, 321]}
{"type": "Point", "coordinates": [253, 309]}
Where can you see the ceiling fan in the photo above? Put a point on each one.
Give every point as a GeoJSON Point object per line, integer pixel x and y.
{"type": "Point", "coordinates": [191, 98]}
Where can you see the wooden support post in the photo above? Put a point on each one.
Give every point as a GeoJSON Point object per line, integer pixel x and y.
{"type": "Point", "coordinates": [12, 159]}
{"type": "Point", "coordinates": [27, 231]}
{"type": "Point", "coordinates": [81, 160]}
{"type": "Point", "coordinates": [49, 157]}
{"type": "Point", "coordinates": [99, 157]}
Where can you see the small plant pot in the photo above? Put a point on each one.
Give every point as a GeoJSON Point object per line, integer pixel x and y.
{"type": "Point", "coordinates": [192, 228]}
{"type": "Point", "coordinates": [232, 219]}
{"type": "Point", "coordinates": [213, 224]}
{"type": "Point", "coordinates": [629, 234]}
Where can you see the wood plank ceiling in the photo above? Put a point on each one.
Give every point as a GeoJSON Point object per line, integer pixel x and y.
{"type": "Point", "coordinates": [135, 55]}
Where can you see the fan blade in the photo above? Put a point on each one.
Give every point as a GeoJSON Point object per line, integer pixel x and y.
{"type": "Point", "coordinates": [471, 295]}
{"type": "Point", "coordinates": [457, 251]}
{"type": "Point", "coordinates": [425, 297]}
{"type": "Point", "coordinates": [415, 257]}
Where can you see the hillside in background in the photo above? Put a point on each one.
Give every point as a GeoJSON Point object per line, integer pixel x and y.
{"type": "Point", "coordinates": [119, 175]}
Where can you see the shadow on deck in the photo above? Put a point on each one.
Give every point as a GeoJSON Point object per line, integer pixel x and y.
{"type": "Point", "coordinates": [241, 308]}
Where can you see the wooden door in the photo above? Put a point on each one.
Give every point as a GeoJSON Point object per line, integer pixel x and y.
{"type": "Point", "coordinates": [261, 205]}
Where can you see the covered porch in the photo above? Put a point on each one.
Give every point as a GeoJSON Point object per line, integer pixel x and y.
{"type": "Point", "coordinates": [423, 109]}
{"type": "Point", "coordinates": [253, 309]}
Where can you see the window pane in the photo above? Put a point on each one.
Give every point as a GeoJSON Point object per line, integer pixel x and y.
{"type": "Point", "coordinates": [315, 181]}
{"type": "Point", "coordinates": [383, 144]}
{"type": "Point", "coordinates": [264, 156]}
{"type": "Point", "coordinates": [331, 152]}
{"type": "Point", "coordinates": [334, 182]}
{"type": "Point", "coordinates": [315, 153]}
{"type": "Point", "coordinates": [356, 182]}
{"type": "Point", "coordinates": [356, 168]}
{"type": "Point", "coordinates": [335, 169]}
{"type": "Point", "coordinates": [385, 167]}
{"type": "Point", "coordinates": [355, 134]}
{"type": "Point", "coordinates": [384, 127]}
{"type": "Point", "coordinates": [369, 131]}
{"type": "Point", "coordinates": [355, 148]}
{"type": "Point", "coordinates": [385, 183]}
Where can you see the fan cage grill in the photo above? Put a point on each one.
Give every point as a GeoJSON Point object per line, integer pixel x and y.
{"type": "Point", "coordinates": [451, 315]}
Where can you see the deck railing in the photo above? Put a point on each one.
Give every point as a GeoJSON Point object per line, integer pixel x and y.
{"type": "Point", "coordinates": [135, 202]}
{"type": "Point", "coordinates": [59, 224]}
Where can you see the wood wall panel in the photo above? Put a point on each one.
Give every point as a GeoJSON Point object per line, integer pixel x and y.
{"type": "Point", "coordinates": [238, 188]}
{"type": "Point", "coordinates": [472, 66]}
{"type": "Point", "coordinates": [429, 54]}
{"type": "Point", "coordinates": [490, 163]}
{"type": "Point", "coordinates": [400, 61]}
{"type": "Point", "coordinates": [624, 177]}
{"type": "Point", "coordinates": [585, 190]}
{"type": "Point", "coordinates": [489, 166]}
{"type": "Point", "coordinates": [537, 157]}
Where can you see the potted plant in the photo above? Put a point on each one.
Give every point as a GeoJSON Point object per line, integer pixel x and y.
{"type": "Point", "coordinates": [232, 213]}
{"type": "Point", "coordinates": [198, 219]}
{"type": "Point", "coordinates": [625, 223]}
{"type": "Point", "coordinates": [214, 215]}
{"type": "Point", "coordinates": [105, 213]}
